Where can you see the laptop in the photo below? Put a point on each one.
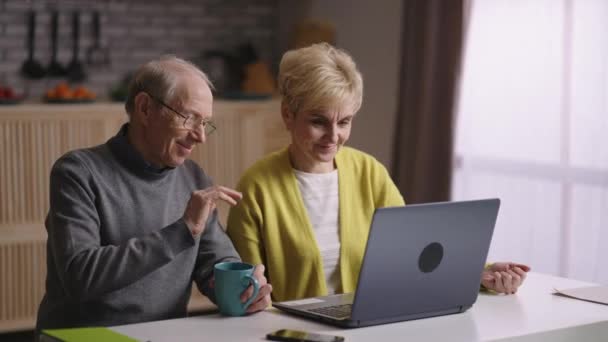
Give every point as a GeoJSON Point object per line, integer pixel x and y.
{"type": "Point", "coordinates": [420, 261]}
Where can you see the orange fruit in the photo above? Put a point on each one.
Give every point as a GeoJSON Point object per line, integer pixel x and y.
{"type": "Point", "coordinates": [80, 92]}
{"type": "Point", "coordinates": [64, 93]}
{"type": "Point", "coordinates": [62, 87]}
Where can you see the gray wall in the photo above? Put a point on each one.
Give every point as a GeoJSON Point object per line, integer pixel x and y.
{"type": "Point", "coordinates": [371, 32]}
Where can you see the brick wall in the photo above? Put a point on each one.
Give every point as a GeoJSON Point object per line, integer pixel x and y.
{"type": "Point", "coordinates": [134, 31]}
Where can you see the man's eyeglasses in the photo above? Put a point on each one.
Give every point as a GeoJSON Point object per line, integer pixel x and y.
{"type": "Point", "coordinates": [191, 122]}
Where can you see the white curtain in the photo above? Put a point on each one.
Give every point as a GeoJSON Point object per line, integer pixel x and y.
{"type": "Point", "coordinates": [532, 129]}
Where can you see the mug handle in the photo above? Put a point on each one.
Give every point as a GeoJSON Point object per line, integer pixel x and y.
{"type": "Point", "coordinates": [256, 289]}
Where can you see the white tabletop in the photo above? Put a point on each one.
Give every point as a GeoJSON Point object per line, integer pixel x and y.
{"type": "Point", "coordinates": [533, 314]}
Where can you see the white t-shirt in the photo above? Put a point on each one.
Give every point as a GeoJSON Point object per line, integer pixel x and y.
{"type": "Point", "coordinates": [321, 199]}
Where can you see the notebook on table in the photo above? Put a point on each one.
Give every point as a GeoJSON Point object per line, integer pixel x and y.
{"type": "Point", "coordinates": [89, 334]}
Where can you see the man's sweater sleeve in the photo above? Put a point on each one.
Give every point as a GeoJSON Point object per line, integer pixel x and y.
{"type": "Point", "coordinates": [86, 269]}
{"type": "Point", "coordinates": [214, 247]}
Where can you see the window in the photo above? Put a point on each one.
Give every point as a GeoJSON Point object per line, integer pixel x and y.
{"type": "Point", "coordinates": [532, 116]}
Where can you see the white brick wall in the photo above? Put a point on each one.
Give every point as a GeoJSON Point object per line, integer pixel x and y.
{"type": "Point", "coordinates": [135, 31]}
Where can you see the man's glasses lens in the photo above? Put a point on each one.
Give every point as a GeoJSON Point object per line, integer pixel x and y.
{"type": "Point", "coordinates": [190, 122]}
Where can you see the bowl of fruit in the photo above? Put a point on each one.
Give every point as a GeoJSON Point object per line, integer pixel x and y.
{"type": "Point", "coordinates": [63, 93]}
{"type": "Point", "coordinates": [8, 96]}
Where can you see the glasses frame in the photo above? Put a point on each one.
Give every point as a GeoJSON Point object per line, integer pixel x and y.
{"type": "Point", "coordinates": [208, 125]}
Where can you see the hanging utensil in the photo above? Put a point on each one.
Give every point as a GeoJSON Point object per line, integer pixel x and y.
{"type": "Point", "coordinates": [55, 69]}
{"type": "Point", "coordinates": [96, 54]}
{"type": "Point", "coordinates": [75, 70]}
{"type": "Point", "coordinates": [31, 68]}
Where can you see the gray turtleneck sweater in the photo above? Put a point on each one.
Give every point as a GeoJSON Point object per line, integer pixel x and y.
{"type": "Point", "coordinates": [118, 251]}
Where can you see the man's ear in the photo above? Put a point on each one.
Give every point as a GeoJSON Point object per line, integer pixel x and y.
{"type": "Point", "coordinates": [287, 116]}
{"type": "Point", "coordinates": [142, 107]}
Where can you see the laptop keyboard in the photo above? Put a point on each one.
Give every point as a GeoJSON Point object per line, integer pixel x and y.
{"type": "Point", "coordinates": [336, 311]}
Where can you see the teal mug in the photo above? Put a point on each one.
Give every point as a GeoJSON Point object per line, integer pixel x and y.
{"type": "Point", "coordinates": [231, 279]}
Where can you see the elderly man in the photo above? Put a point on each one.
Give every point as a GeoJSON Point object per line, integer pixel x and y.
{"type": "Point", "coordinates": [132, 222]}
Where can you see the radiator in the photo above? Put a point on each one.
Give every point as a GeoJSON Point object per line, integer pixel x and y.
{"type": "Point", "coordinates": [22, 276]}
{"type": "Point", "coordinates": [28, 150]}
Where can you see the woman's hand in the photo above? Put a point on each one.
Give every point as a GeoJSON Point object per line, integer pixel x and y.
{"type": "Point", "coordinates": [504, 277]}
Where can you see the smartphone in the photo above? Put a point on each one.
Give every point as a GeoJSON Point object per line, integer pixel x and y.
{"type": "Point", "coordinates": [301, 336]}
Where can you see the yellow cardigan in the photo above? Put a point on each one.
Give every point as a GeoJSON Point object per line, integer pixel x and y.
{"type": "Point", "coordinates": [271, 226]}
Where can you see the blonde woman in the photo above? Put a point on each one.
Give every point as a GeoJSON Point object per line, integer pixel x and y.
{"type": "Point", "coordinates": [307, 209]}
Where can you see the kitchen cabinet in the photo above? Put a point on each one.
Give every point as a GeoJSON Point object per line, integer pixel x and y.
{"type": "Point", "coordinates": [33, 136]}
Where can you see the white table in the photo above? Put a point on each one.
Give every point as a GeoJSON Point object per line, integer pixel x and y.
{"type": "Point", "coordinates": [533, 314]}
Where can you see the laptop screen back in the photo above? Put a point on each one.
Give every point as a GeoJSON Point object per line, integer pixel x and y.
{"type": "Point", "coordinates": [424, 258]}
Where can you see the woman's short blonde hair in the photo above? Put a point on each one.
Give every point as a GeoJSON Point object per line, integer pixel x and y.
{"type": "Point", "coordinates": [319, 77]}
